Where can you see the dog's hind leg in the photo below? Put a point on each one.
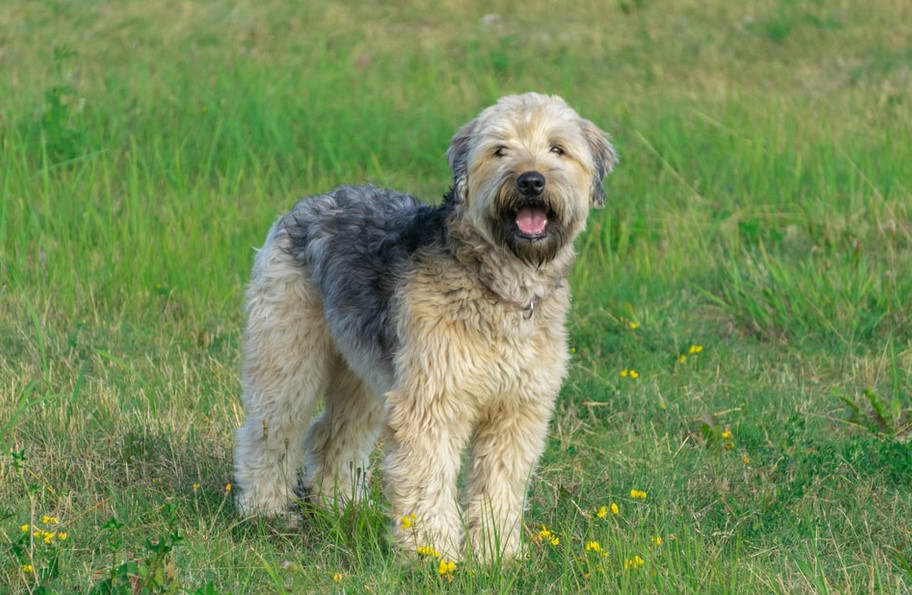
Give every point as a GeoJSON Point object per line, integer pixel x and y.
{"type": "Point", "coordinates": [340, 442]}
{"type": "Point", "coordinates": [288, 360]}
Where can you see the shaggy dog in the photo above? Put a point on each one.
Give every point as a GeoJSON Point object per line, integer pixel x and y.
{"type": "Point", "coordinates": [439, 327]}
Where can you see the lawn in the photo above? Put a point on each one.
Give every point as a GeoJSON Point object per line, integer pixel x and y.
{"type": "Point", "coordinates": [738, 412]}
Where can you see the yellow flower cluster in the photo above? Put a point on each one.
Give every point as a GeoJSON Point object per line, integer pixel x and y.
{"type": "Point", "coordinates": [656, 540]}
{"type": "Point", "coordinates": [625, 373]}
{"type": "Point", "coordinates": [637, 494]}
{"type": "Point", "coordinates": [692, 350]}
{"type": "Point", "coordinates": [28, 568]}
{"type": "Point", "coordinates": [546, 535]}
{"type": "Point", "coordinates": [602, 511]}
{"type": "Point", "coordinates": [634, 562]}
{"type": "Point", "coordinates": [337, 577]}
{"type": "Point", "coordinates": [726, 435]}
{"type": "Point", "coordinates": [426, 550]}
{"type": "Point", "coordinates": [593, 546]}
{"type": "Point", "coordinates": [407, 521]}
{"type": "Point", "coordinates": [633, 325]}
{"type": "Point", "coordinates": [446, 568]}
{"type": "Point", "coordinates": [44, 535]}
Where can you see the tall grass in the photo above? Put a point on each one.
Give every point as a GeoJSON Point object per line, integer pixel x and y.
{"type": "Point", "coordinates": [761, 210]}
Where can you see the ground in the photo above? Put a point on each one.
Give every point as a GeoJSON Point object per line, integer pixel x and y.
{"type": "Point", "coordinates": [741, 384]}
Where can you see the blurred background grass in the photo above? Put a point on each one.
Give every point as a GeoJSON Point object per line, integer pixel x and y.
{"type": "Point", "coordinates": [762, 209]}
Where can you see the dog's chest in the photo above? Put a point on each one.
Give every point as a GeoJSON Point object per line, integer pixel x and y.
{"type": "Point", "coordinates": [467, 342]}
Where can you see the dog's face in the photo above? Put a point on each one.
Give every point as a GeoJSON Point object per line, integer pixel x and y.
{"type": "Point", "coordinates": [526, 172]}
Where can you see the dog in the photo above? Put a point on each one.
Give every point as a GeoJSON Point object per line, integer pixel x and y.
{"type": "Point", "coordinates": [439, 327]}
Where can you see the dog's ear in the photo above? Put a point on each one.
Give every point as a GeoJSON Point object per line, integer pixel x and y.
{"type": "Point", "coordinates": [458, 158]}
{"type": "Point", "coordinates": [604, 157]}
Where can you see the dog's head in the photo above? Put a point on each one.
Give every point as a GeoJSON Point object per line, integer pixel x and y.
{"type": "Point", "coordinates": [527, 170]}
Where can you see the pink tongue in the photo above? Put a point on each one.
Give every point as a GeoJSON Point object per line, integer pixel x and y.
{"type": "Point", "coordinates": [532, 220]}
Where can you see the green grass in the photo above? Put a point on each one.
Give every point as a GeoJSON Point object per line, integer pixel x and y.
{"type": "Point", "coordinates": [762, 210]}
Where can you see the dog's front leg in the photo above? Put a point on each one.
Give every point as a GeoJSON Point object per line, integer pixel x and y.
{"type": "Point", "coordinates": [425, 436]}
{"type": "Point", "coordinates": [509, 439]}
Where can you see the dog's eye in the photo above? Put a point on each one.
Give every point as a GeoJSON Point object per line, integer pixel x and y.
{"type": "Point", "coordinates": [557, 150]}
{"type": "Point", "coordinates": [500, 151]}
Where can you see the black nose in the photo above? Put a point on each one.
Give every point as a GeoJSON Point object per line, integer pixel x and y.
{"type": "Point", "coordinates": [531, 183]}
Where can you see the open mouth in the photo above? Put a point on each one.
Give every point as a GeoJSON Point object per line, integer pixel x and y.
{"type": "Point", "coordinates": [532, 220]}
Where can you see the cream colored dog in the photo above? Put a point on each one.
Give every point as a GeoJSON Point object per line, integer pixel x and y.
{"type": "Point", "coordinates": [441, 327]}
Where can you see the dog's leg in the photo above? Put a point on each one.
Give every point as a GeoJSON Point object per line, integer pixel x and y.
{"type": "Point", "coordinates": [288, 356]}
{"type": "Point", "coordinates": [425, 438]}
{"type": "Point", "coordinates": [507, 444]}
{"type": "Point", "coordinates": [340, 442]}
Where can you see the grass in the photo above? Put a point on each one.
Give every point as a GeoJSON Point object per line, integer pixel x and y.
{"type": "Point", "coordinates": [762, 210]}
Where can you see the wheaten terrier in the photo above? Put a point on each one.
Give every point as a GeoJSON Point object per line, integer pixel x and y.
{"type": "Point", "coordinates": [439, 327]}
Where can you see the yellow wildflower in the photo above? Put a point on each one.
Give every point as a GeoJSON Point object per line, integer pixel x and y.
{"type": "Point", "coordinates": [602, 512]}
{"type": "Point", "coordinates": [624, 373]}
{"type": "Point", "coordinates": [634, 374]}
{"type": "Point", "coordinates": [24, 528]}
{"type": "Point", "coordinates": [682, 359]}
{"type": "Point", "coordinates": [544, 533]}
{"type": "Point", "coordinates": [196, 487]}
{"type": "Point", "coordinates": [634, 562]}
{"type": "Point", "coordinates": [633, 324]}
{"type": "Point", "coordinates": [695, 349]}
{"type": "Point", "coordinates": [62, 536]}
{"type": "Point", "coordinates": [657, 540]}
{"type": "Point", "coordinates": [48, 537]}
{"type": "Point", "coordinates": [555, 540]}
{"type": "Point", "coordinates": [426, 550]}
{"type": "Point", "coordinates": [638, 494]}
{"type": "Point", "coordinates": [593, 546]}
{"type": "Point", "coordinates": [746, 459]}
{"type": "Point", "coordinates": [726, 435]}
{"type": "Point", "coordinates": [228, 487]}
{"type": "Point", "coordinates": [445, 568]}
{"type": "Point", "coordinates": [28, 568]}
{"type": "Point", "coordinates": [615, 509]}
{"type": "Point", "coordinates": [337, 577]}
{"type": "Point", "coordinates": [407, 521]}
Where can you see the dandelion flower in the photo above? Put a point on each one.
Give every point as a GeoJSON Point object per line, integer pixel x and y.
{"type": "Point", "coordinates": [656, 540]}
{"type": "Point", "coordinates": [24, 528]}
{"type": "Point", "coordinates": [48, 537]}
{"type": "Point", "coordinates": [49, 520]}
{"type": "Point", "coordinates": [682, 359]}
{"type": "Point", "coordinates": [593, 546]}
{"type": "Point", "coordinates": [544, 533]}
{"type": "Point", "coordinates": [637, 494]}
{"type": "Point", "coordinates": [624, 373]}
{"type": "Point", "coordinates": [407, 521]}
{"type": "Point", "coordinates": [555, 540]}
{"type": "Point", "coordinates": [634, 374]}
{"type": "Point", "coordinates": [695, 349]}
{"type": "Point", "coordinates": [633, 325]}
{"type": "Point", "coordinates": [615, 509]}
{"type": "Point", "coordinates": [602, 512]}
{"type": "Point", "coordinates": [28, 568]}
{"type": "Point", "coordinates": [228, 487]}
{"type": "Point", "coordinates": [726, 435]}
{"type": "Point", "coordinates": [337, 577]}
{"type": "Point", "coordinates": [634, 562]}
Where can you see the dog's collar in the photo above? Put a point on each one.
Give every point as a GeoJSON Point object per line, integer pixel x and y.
{"type": "Point", "coordinates": [527, 308]}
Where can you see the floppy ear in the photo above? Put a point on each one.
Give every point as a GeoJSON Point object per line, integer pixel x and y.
{"type": "Point", "coordinates": [458, 157]}
{"type": "Point", "coordinates": [604, 157]}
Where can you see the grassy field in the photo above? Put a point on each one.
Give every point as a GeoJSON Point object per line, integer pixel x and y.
{"type": "Point", "coordinates": [753, 265]}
